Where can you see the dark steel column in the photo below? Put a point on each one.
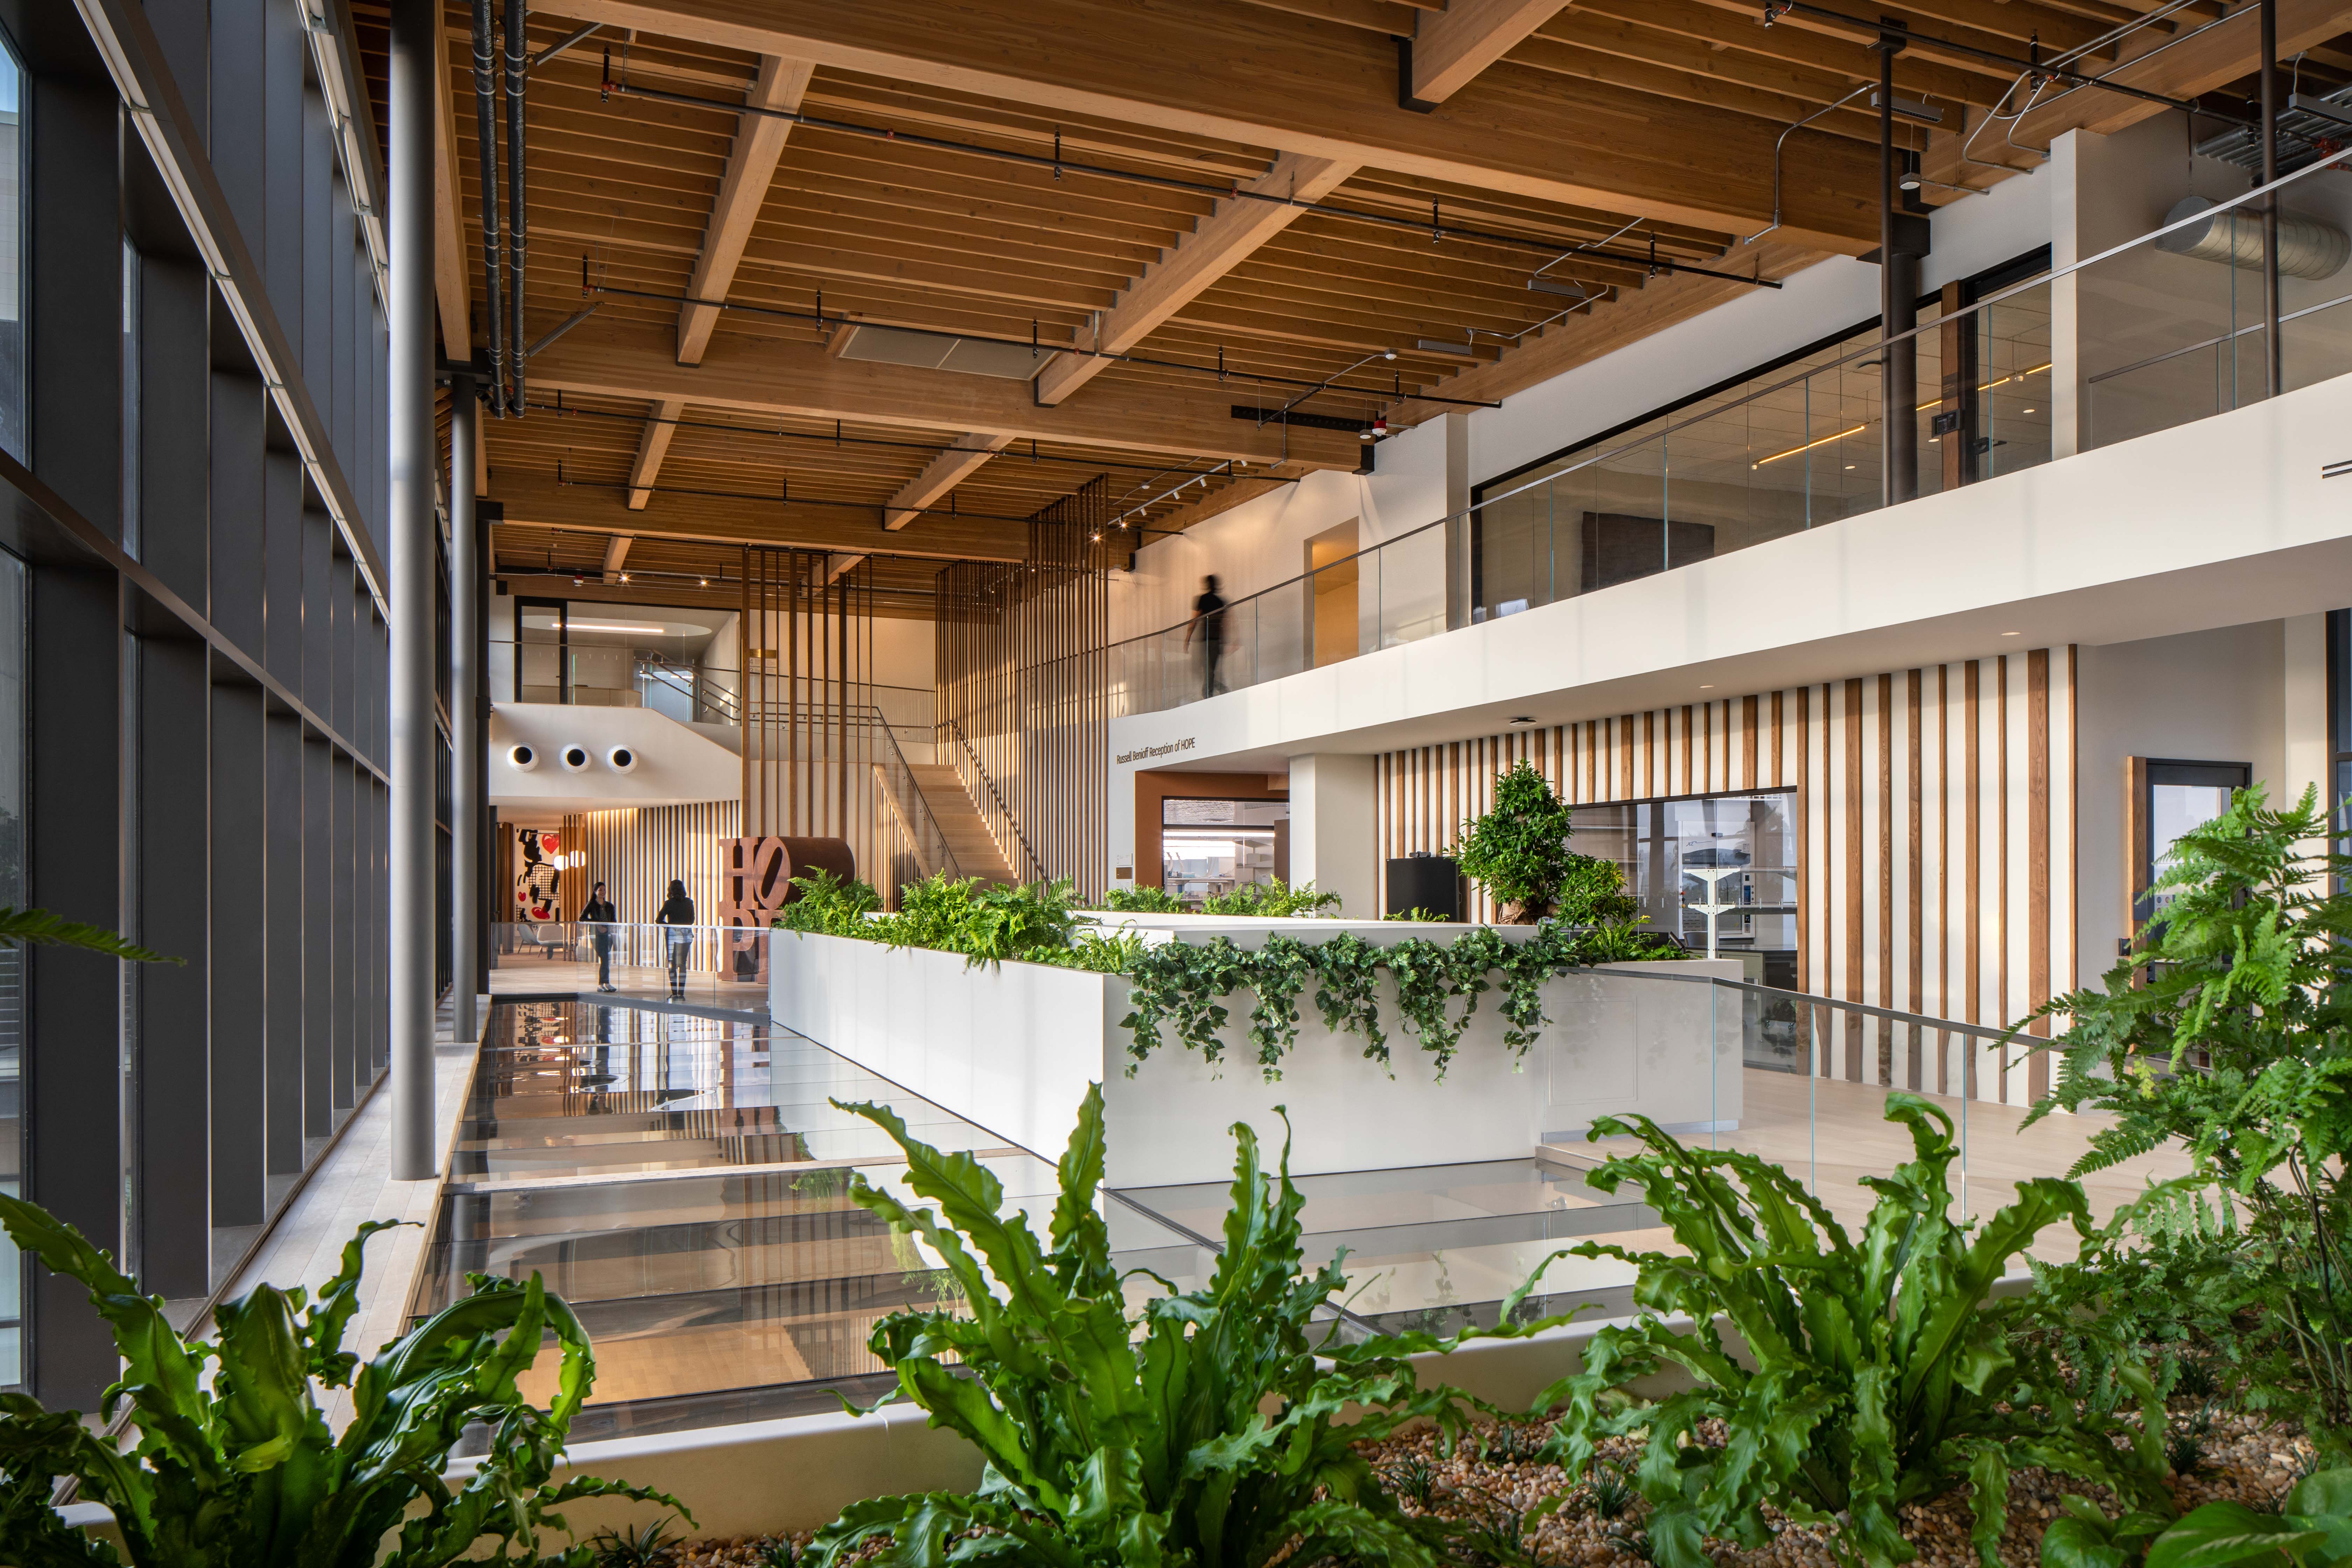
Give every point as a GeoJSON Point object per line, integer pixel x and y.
{"type": "Point", "coordinates": [465, 732]}
{"type": "Point", "coordinates": [411, 525]}
{"type": "Point", "coordinates": [1898, 307]}
{"type": "Point", "coordinates": [2274, 379]}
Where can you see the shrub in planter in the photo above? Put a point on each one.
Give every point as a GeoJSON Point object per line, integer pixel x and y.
{"type": "Point", "coordinates": [1518, 852]}
{"type": "Point", "coordinates": [1877, 1370]}
{"type": "Point", "coordinates": [2228, 1032]}
{"type": "Point", "coordinates": [1199, 1432]}
{"type": "Point", "coordinates": [240, 1471]}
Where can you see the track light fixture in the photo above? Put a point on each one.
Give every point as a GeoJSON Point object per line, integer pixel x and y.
{"type": "Point", "coordinates": [1918, 181]}
{"type": "Point", "coordinates": [1553, 285]}
{"type": "Point", "coordinates": [1442, 346]}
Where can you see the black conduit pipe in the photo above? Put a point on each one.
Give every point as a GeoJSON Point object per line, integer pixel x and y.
{"type": "Point", "coordinates": [518, 222]}
{"type": "Point", "coordinates": [486, 134]}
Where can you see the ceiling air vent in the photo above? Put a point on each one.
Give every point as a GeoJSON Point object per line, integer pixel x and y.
{"type": "Point", "coordinates": [933, 351]}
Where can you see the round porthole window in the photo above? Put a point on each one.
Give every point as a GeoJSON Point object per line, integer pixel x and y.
{"type": "Point", "coordinates": [523, 758]}
{"type": "Point", "coordinates": [621, 759]}
{"type": "Point", "coordinates": [576, 759]}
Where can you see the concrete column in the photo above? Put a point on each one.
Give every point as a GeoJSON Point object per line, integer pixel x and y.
{"type": "Point", "coordinates": [411, 528]}
{"type": "Point", "coordinates": [465, 680]}
{"type": "Point", "coordinates": [1334, 829]}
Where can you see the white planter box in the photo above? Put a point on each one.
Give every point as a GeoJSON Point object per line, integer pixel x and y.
{"type": "Point", "coordinates": [1013, 1050]}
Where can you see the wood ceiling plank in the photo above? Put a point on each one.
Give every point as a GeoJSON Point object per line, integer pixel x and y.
{"type": "Point", "coordinates": [965, 455]}
{"type": "Point", "coordinates": [802, 379]}
{"type": "Point", "coordinates": [1713, 89]}
{"type": "Point", "coordinates": [1722, 30]}
{"type": "Point", "coordinates": [1283, 81]}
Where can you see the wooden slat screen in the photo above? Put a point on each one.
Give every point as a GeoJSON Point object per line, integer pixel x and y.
{"type": "Point", "coordinates": [810, 721]}
{"type": "Point", "coordinates": [1025, 691]}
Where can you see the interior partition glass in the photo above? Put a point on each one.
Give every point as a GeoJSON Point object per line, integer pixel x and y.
{"type": "Point", "coordinates": [12, 252]}
{"type": "Point", "coordinates": [1209, 848]}
{"type": "Point", "coordinates": [1736, 852]}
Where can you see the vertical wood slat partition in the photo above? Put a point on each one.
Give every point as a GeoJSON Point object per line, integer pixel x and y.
{"type": "Point", "coordinates": [809, 715]}
{"type": "Point", "coordinates": [636, 851]}
{"type": "Point", "coordinates": [1935, 838]}
{"type": "Point", "coordinates": [1023, 709]}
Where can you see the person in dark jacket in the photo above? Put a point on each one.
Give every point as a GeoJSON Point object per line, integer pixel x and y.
{"type": "Point", "coordinates": [600, 917]}
{"type": "Point", "coordinates": [678, 913]}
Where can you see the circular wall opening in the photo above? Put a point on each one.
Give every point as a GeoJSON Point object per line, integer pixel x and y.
{"type": "Point", "coordinates": [523, 759]}
{"type": "Point", "coordinates": [621, 759]}
{"type": "Point", "coordinates": [576, 759]}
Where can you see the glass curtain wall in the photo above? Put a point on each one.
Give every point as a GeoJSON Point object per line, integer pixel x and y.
{"type": "Point", "coordinates": [1679, 856]}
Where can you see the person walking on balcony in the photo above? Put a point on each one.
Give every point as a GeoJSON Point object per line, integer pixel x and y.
{"type": "Point", "coordinates": [1208, 621]}
{"type": "Point", "coordinates": [601, 918]}
{"type": "Point", "coordinates": [678, 914]}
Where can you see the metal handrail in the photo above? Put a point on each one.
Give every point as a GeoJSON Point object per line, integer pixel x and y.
{"type": "Point", "coordinates": [1002, 810]}
{"type": "Point", "coordinates": [690, 684]}
{"type": "Point", "coordinates": [932, 817]}
{"type": "Point", "coordinates": [1877, 346]}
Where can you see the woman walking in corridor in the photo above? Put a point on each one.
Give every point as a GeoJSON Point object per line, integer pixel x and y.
{"type": "Point", "coordinates": [678, 913]}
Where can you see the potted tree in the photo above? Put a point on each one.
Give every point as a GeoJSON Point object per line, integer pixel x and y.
{"type": "Point", "coordinates": [1518, 852]}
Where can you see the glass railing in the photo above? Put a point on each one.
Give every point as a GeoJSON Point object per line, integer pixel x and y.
{"type": "Point", "coordinates": [2169, 328]}
{"type": "Point", "coordinates": [913, 844]}
{"type": "Point", "coordinates": [541, 669]}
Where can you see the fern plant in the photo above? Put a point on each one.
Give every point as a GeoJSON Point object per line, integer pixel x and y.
{"type": "Point", "coordinates": [1876, 1370]}
{"type": "Point", "coordinates": [1142, 900]}
{"type": "Point", "coordinates": [233, 1466]}
{"type": "Point", "coordinates": [1204, 1431]}
{"type": "Point", "coordinates": [2228, 1033]}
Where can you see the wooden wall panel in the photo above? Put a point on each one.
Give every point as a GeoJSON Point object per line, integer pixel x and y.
{"type": "Point", "coordinates": [1935, 838]}
{"type": "Point", "coordinates": [637, 851]}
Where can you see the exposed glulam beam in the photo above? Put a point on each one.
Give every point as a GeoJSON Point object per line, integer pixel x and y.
{"type": "Point", "coordinates": [538, 500]}
{"type": "Point", "coordinates": [616, 555]}
{"type": "Point", "coordinates": [1223, 239]}
{"type": "Point", "coordinates": [653, 445]}
{"type": "Point", "coordinates": [772, 376]}
{"type": "Point", "coordinates": [1452, 45]}
{"type": "Point", "coordinates": [750, 165]}
{"type": "Point", "coordinates": [1279, 80]}
{"type": "Point", "coordinates": [966, 457]}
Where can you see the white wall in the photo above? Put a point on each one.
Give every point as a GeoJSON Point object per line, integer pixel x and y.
{"type": "Point", "coordinates": [675, 765]}
{"type": "Point", "coordinates": [2218, 696]}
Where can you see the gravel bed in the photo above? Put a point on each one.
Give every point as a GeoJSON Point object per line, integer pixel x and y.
{"type": "Point", "coordinates": [2247, 1458]}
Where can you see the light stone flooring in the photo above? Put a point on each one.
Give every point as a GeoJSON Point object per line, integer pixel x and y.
{"type": "Point", "coordinates": [352, 1186]}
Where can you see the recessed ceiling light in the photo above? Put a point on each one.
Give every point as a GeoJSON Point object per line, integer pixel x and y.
{"type": "Point", "coordinates": [1849, 468]}
{"type": "Point", "coordinates": [1707, 686]}
{"type": "Point", "coordinates": [2013, 634]}
{"type": "Point", "coordinates": [1523, 720]}
{"type": "Point", "coordinates": [2029, 411]}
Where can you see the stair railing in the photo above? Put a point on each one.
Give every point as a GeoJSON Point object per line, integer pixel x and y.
{"type": "Point", "coordinates": [976, 770]}
{"type": "Point", "coordinates": [908, 807]}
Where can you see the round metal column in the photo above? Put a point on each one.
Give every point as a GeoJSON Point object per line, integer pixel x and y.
{"type": "Point", "coordinates": [411, 528]}
{"type": "Point", "coordinates": [466, 653]}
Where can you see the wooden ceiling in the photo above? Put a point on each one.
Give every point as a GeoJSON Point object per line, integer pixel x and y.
{"type": "Point", "coordinates": [1087, 176]}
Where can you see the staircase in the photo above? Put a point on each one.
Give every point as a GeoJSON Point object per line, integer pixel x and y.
{"type": "Point", "coordinates": [968, 838]}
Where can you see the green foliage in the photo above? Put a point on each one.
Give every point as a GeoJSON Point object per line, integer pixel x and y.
{"type": "Point", "coordinates": [1142, 900]}
{"type": "Point", "coordinates": [1202, 1431]}
{"type": "Point", "coordinates": [239, 1468]}
{"type": "Point", "coordinates": [828, 905]}
{"type": "Point", "coordinates": [2312, 1529]}
{"type": "Point", "coordinates": [1270, 900]}
{"type": "Point", "coordinates": [648, 1546]}
{"type": "Point", "coordinates": [1096, 950]}
{"type": "Point", "coordinates": [1592, 893]}
{"type": "Point", "coordinates": [1518, 851]}
{"type": "Point", "coordinates": [1876, 1370]}
{"type": "Point", "coordinates": [39, 928]}
{"type": "Point", "coordinates": [2165, 1283]}
{"type": "Point", "coordinates": [1613, 1495]}
{"type": "Point", "coordinates": [2229, 1032]}
{"type": "Point", "coordinates": [1185, 985]}
{"type": "Point", "coordinates": [1419, 916]}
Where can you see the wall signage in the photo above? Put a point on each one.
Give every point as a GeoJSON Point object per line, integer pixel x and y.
{"type": "Point", "coordinates": [1145, 753]}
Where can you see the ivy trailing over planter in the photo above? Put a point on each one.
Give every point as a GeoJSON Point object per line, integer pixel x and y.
{"type": "Point", "coordinates": [1185, 987]}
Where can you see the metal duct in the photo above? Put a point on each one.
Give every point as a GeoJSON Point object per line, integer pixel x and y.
{"type": "Point", "coordinates": [2307, 248]}
{"type": "Point", "coordinates": [517, 222]}
{"type": "Point", "coordinates": [485, 133]}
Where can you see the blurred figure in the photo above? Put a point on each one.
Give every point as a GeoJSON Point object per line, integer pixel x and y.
{"type": "Point", "coordinates": [678, 913]}
{"type": "Point", "coordinates": [1209, 622]}
{"type": "Point", "coordinates": [599, 915]}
